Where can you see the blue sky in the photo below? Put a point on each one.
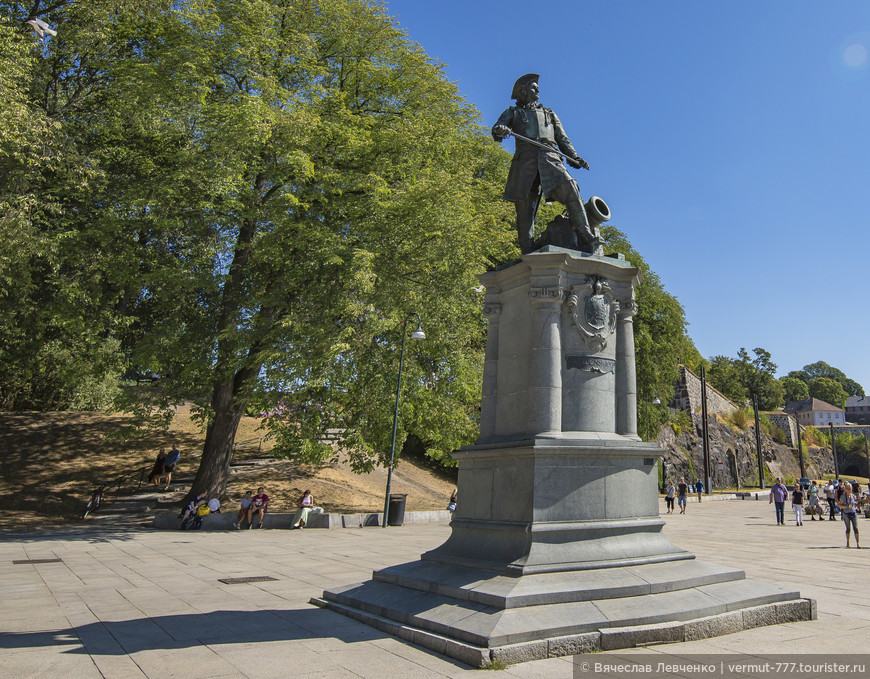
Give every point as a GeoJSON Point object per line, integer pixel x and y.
{"type": "Point", "coordinates": [731, 141]}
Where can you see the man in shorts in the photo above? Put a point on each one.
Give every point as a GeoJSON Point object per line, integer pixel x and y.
{"type": "Point", "coordinates": [172, 458]}
{"type": "Point", "coordinates": [259, 503]}
{"type": "Point", "coordinates": [682, 493]}
{"type": "Point", "coordinates": [814, 506]}
{"type": "Point", "coordinates": [244, 506]}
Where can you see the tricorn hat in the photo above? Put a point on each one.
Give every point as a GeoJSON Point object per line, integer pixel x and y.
{"type": "Point", "coordinates": [523, 81]}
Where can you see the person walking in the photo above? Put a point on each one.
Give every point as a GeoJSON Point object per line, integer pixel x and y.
{"type": "Point", "coordinates": [670, 492]}
{"type": "Point", "coordinates": [157, 470]}
{"type": "Point", "coordinates": [849, 509]}
{"type": "Point", "coordinates": [682, 493]}
{"type": "Point", "coordinates": [778, 495]}
{"type": "Point", "coordinates": [813, 495]}
{"type": "Point", "coordinates": [797, 504]}
{"type": "Point", "coordinates": [830, 498]}
{"type": "Point", "coordinates": [699, 488]}
{"type": "Point", "coordinates": [172, 458]}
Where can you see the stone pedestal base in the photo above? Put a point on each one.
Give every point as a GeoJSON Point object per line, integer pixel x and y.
{"type": "Point", "coordinates": [556, 548]}
{"type": "Point", "coordinates": [560, 502]}
{"type": "Point", "coordinates": [478, 617]}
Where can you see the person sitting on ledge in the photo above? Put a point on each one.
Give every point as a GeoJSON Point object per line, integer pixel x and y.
{"type": "Point", "coordinates": [258, 505]}
{"type": "Point", "coordinates": [305, 504]}
{"type": "Point", "coordinates": [244, 505]}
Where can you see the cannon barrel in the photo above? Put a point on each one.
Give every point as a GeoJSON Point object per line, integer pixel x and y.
{"type": "Point", "coordinates": [597, 211]}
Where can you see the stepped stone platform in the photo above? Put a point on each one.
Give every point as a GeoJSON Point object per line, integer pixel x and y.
{"type": "Point", "coordinates": [479, 617]}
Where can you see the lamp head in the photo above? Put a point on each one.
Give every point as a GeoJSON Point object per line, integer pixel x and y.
{"type": "Point", "coordinates": [418, 334]}
{"type": "Point", "coordinates": [656, 401]}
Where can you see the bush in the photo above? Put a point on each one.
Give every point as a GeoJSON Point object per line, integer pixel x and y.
{"type": "Point", "coordinates": [680, 421]}
{"type": "Point", "coordinates": [814, 437]}
{"type": "Point", "coordinates": [739, 418]}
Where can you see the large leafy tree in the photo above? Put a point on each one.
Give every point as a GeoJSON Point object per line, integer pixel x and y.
{"type": "Point", "coordinates": [661, 340]}
{"type": "Point", "coordinates": [58, 334]}
{"type": "Point", "coordinates": [828, 390]}
{"type": "Point", "coordinates": [814, 371]}
{"type": "Point", "coordinates": [249, 200]}
{"type": "Point", "coordinates": [794, 389]}
{"type": "Point", "coordinates": [276, 186]}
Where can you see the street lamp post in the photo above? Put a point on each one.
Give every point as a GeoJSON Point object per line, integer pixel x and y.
{"type": "Point", "coordinates": [655, 402]}
{"type": "Point", "coordinates": [418, 334]}
{"type": "Point", "coordinates": [834, 452]}
{"type": "Point", "coordinates": [800, 448]}
{"type": "Point", "coordinates": [867, 455]}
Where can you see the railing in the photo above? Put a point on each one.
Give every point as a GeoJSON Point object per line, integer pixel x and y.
{"type": "Point", "coordinates": [138, 477]}
{"type": "Point", "coordinates": [249, 443]}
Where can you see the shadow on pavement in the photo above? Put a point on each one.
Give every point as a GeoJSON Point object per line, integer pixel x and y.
{"type": "Point", "coordinates": [190, 630]}
{"type": "Point", "coordinates": [73, 533]}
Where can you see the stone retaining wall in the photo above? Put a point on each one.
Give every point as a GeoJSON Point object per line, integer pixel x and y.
{"type": "Point", "coordinates": [687, 396]}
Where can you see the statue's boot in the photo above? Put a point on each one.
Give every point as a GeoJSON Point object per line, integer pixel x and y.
{"type": "Point", "coordinates": [588, 238]}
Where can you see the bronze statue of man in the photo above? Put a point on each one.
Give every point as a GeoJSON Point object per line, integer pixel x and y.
{"type": "Point", "coordinates": [536, 171]}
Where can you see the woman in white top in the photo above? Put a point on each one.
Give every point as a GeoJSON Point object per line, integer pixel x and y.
{"type": "Point", "coordinates": [306, 502]}
{"type": "Point", "coordinates": [849, 508]}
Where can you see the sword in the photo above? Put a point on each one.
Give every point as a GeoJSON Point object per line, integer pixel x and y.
{"type": "Point", "coordinates": [582, 162]}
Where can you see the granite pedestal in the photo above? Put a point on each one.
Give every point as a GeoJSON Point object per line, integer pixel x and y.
{"type": "Point", "coordinates": [556, 544]}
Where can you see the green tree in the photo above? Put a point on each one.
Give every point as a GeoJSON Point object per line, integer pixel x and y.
{"type": "Point", "coordinates": [794, 389]}
{"type": "Point", "coordinates": [661, 340]}
{"type": "Point", "coordinates": [725, 376]}
{"type": "Point", "coordinates": [744, 376]}
{"type": "Point", "coordinates": [819, 369]}
{"type": "Point", "coordinates": [828, 390]}
{"type": "Point", "coordinates": [58, 343]}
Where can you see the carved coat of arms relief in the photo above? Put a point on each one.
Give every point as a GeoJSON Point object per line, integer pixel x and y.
{"type": "Point", "coordinates": [593, 307]}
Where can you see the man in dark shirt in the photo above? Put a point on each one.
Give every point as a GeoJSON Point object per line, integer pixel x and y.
{"type": "Point", "coordinates": [172, 458]}
{"type": "Point", "coordinates": [682, 493]}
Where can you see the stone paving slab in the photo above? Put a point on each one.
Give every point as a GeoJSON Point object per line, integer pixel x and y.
{"type": "Point", "coordinates": [134, 603]}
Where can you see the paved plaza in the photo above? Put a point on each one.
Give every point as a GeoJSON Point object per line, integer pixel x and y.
{"type": "Point", "coordinates": [145, 603]}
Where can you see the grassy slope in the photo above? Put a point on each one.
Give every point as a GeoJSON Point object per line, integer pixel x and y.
{"type": "Point", "coordinates": [50, 462]}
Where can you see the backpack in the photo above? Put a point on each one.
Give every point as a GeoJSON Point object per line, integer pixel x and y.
{"type": "Point", "coordinates": [172, 458]}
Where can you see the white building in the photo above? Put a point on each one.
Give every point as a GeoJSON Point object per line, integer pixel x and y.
{"type": "Point", "coordinates": [815, 413]}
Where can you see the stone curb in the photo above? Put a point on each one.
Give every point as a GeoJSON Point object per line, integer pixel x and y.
{"type": "Point", "coordinates": [280, 520]}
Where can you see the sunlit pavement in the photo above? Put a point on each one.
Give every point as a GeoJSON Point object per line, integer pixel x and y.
{"type": "Point", "coordinates": [128, 603]}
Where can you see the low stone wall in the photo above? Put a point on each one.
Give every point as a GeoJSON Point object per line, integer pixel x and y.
{"type": "Point", "coordinates": [224, 520]}
{"type": "Point", "coordinates": [855, 429]}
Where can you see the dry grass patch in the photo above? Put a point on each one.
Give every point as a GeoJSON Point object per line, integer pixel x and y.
{"type": "Point", "coordinates": [51, 461]}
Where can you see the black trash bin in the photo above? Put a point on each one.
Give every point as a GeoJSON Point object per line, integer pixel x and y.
{"type": "Point", "coordinates": [396, 512]}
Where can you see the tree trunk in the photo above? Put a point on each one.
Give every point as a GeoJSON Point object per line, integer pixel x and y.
{"type": "Point", "coordinates": [229, 383]}
{"type": "Point", "coordinates": [214, 467]}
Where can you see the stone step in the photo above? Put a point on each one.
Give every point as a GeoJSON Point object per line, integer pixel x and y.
{"type": "Point", "coordinates": [488, 626]}
{"type": "Point", "coordinates": [502, 591]}
{"type": "Point", "coordinates": [604, 639]}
